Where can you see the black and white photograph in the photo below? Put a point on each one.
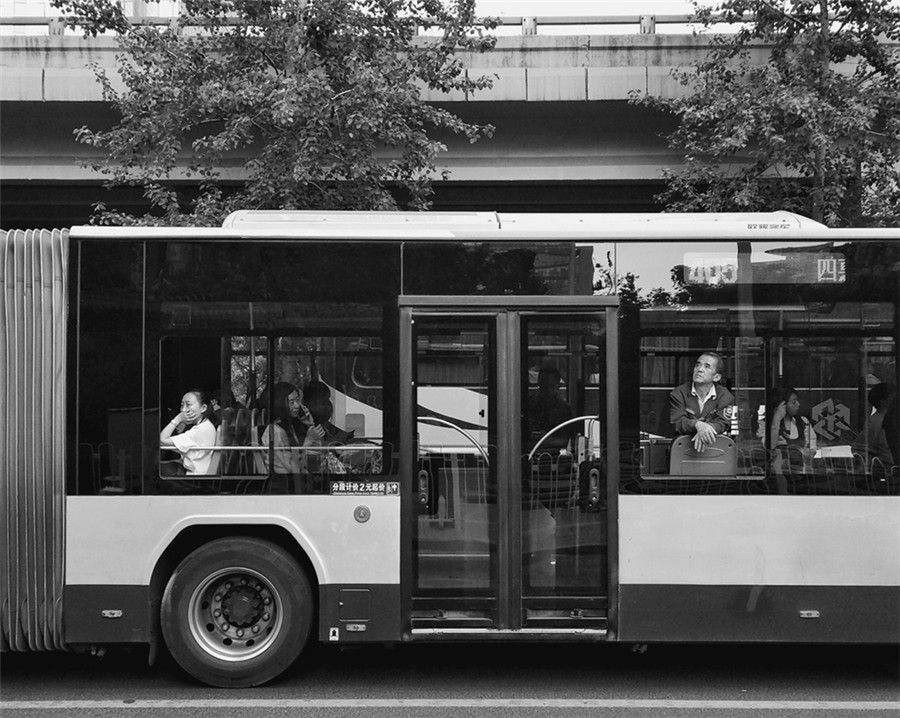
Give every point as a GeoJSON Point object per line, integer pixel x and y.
{"type": "Point", "coordinates": [368, 358]}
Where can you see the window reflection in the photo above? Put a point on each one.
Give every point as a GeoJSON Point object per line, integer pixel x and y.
{"type": "Point", "coordinates": [804, 339]}
{"type": "Point", "coordinates": [563, 478]}
{"type": "Point", "coordinates": [289, 415]}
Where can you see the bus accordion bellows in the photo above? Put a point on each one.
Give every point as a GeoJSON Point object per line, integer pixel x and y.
{"type": "Point", "coordinates": [389, 427]}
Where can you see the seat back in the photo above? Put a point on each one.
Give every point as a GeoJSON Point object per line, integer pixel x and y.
{"type": "Point", "coordinates": [720, 459]}
{"type": "Point", "coordinates": [216, 459]}
{"type": "Point", "coordinates": [259, 458]}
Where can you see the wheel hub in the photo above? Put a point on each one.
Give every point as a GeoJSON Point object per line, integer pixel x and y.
{"type": "Point", "coordinates": [234, 614]}
{"type": "Point", "coordinates": [242, 606]}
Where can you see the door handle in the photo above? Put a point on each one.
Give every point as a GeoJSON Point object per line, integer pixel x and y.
{"type": "Point", "coordinates": [423, 494]}
{"type": "Point", "coordinates": [594, 487]}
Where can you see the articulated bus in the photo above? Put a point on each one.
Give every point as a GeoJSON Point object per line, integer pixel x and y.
{"type": "Point", "coordinates": [506, 468]}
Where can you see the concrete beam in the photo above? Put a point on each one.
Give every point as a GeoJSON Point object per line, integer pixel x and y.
{"type": "Point", "coordinates": [534, 68]}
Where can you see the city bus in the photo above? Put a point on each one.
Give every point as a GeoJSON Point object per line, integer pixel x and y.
{"type": "Point", "coordinates": [500, 461]}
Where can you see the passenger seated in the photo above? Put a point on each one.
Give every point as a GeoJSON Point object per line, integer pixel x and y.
{"type": "Point", "coordinates": [192, 428]}
{"type": "Point", "coordinates": [323, 432]}
{"type": "Point", "coordinates": [702, 408]}
{"type": "Point", "coordinates": [791, 436]}
{"type": "Point", "coordinates": [281, 432]}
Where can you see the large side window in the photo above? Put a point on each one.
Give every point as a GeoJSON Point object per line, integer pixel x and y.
{"type": "Point", "coordinates": [282, 344]}
{"type": "Point", "coordinates": [670, 352]}
{"type": "Point", "coordinates": [807, 340]}
{"type": "Point", "coordinates": [273, 414]}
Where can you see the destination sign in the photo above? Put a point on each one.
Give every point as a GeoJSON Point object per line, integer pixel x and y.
{"type": "Point", "coordinates": [719, 269]}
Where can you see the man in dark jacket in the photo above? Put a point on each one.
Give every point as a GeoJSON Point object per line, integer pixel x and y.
{"type": "Point", "coordinates": [702, 408]}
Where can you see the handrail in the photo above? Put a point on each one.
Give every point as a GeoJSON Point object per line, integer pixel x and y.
{"type": "Point", "coordinates": [646, 23]}
{"type": "Point", "coordinates": [248, 447]}
{"type": "Point", "coordinates": [590, 417]}
{"type": "Point", "coordinates": [444, 422]}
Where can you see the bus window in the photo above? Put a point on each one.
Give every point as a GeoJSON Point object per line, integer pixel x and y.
{"type": "Point", "coordinates": [264, 395]}
{"type": "Point", "coordinates": [494, 268]}
{"type": "Point", "coordinates": [347, 418]}
{"type": "Point", "coordinates": [110, 418]}
{"type": "Point", "coordinates": [673, 342]}
{"type": "Point", "coordinates": [802, 354]}
{"type": "Point", "coordinates": [822, 424]}
{"type": "Point", "coordinates": [563, 480]}
{"type": "Point", "coordinates": [222, 374]}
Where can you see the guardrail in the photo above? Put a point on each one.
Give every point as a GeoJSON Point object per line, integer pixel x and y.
{"type": "Point", "coordinates": [530, 25]}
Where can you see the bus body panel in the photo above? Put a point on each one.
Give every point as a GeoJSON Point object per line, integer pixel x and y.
{"type": "Point", "coordinates": [108, 594]}
{"type": "Point", "coordinates": [747, 614]}
{"type": "Point", "coordinates": [759, 540]}
{"type": "Point", "coordinates": [756, 568]}
{"type": "Point", "coordinates": [117, 541]}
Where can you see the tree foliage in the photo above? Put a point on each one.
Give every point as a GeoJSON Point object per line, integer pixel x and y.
{"type": "Point", "coordinates": [798, 109]}
{"type": "Point", "coordinates": [308, 103]}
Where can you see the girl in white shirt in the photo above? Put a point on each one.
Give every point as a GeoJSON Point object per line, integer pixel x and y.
{"type": "Point", "coordinates": [197, 417]}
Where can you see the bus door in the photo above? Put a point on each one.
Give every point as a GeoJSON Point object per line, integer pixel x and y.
{"type": "Point", "coordinates": [505, 431]}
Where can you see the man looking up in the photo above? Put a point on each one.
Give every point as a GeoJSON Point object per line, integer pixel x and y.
{"type": "Point", "coordinates": [702, 408]}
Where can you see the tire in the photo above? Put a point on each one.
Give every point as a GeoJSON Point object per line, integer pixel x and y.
{"type": "Point", "coordinates": [237, 612]}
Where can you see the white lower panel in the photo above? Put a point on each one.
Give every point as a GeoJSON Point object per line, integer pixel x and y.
{"type": "Point", "coordinates": [116, 540]}
{"type": "Point", "coordinates": [760, 540]}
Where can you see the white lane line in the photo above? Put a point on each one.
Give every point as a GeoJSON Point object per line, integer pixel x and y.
{"type": "Point", "coordinates": [457, 703]}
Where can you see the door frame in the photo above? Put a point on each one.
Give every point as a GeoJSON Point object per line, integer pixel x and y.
{"type": "Point", "coordinates": [508, 436]}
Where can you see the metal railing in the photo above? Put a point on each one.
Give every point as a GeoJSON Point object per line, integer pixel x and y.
{"type": "Point", "coordinates": [644, 24]}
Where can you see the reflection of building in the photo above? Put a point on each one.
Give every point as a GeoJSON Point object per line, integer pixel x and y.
{"type": "Point", "coordinates": [566, 137]}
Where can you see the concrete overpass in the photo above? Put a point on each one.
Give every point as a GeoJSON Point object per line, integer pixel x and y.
{"type": "Point", "coordinates": [566, 137]}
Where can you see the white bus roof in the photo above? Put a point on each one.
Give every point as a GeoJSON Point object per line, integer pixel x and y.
{"type": "Point", "coordinates": [473, 226]}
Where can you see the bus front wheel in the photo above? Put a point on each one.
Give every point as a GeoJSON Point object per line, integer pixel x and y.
{"type": "Point", "coordinates": [237, 612]}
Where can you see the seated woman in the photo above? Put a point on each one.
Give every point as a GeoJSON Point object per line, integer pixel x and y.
{"type": "Point", "coordinates": [188, 433]}
{"type": "Point", "coordinates": [285, 432]}
{"type": "Point", "coordinates": [791, 436]}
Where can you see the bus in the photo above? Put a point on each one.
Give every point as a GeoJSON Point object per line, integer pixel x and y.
{"type": "Point", "coordinates": [502, 463]}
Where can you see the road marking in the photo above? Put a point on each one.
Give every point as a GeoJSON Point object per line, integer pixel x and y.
{"type": "Point", "coordinates": [457, 703]}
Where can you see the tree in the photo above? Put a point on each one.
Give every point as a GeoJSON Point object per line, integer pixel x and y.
{"type": "Point", "coordinates": [815, 128]}
{"type": "Point", "coordinates": [311, 103]}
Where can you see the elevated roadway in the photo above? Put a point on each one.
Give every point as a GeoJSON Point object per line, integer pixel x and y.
{"type": "Point", "coordinates": [566, 136]}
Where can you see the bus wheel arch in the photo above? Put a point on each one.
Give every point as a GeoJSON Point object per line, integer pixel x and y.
{"type": "Point", "coordinates": [234, 610]}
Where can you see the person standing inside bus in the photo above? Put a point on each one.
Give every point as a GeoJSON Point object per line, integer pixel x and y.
{"type": "Point", "coordinates": [196, 433]}
{"type": "Point", "coordinates": [702, 408]}
{"type": "Point", "coordinates": [872, 441]}
{"type": "Point", "coordinates": [547, 410]}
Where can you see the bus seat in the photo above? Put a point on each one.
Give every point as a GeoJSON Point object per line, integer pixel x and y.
{"type": "Point", "coordinates": [554, 481]}
{"type": "Point", "coordinates": [89, 464]}
{"type": "Point", "coordinates": [256, 432]}
{"type": "Point", "coordinates": [720, 459]}
{"type": "Point", "coordinates": [216, 460]}
{"type": "Point", "coordinates": [242, 427]}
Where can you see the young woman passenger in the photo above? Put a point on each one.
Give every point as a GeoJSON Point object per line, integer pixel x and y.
{"type": "Point", "coordinates": [192, 429]}
{"type": "Point", "coordinates": [791, 435]}
{"type": "Point", "coordinates": [288, 434]}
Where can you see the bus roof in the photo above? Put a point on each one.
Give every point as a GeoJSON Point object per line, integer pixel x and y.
{"type": "Point", "coordinates": [494, 226]}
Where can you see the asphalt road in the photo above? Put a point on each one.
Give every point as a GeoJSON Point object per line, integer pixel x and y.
{"type": "Point", "coordinates": [498, 681]}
